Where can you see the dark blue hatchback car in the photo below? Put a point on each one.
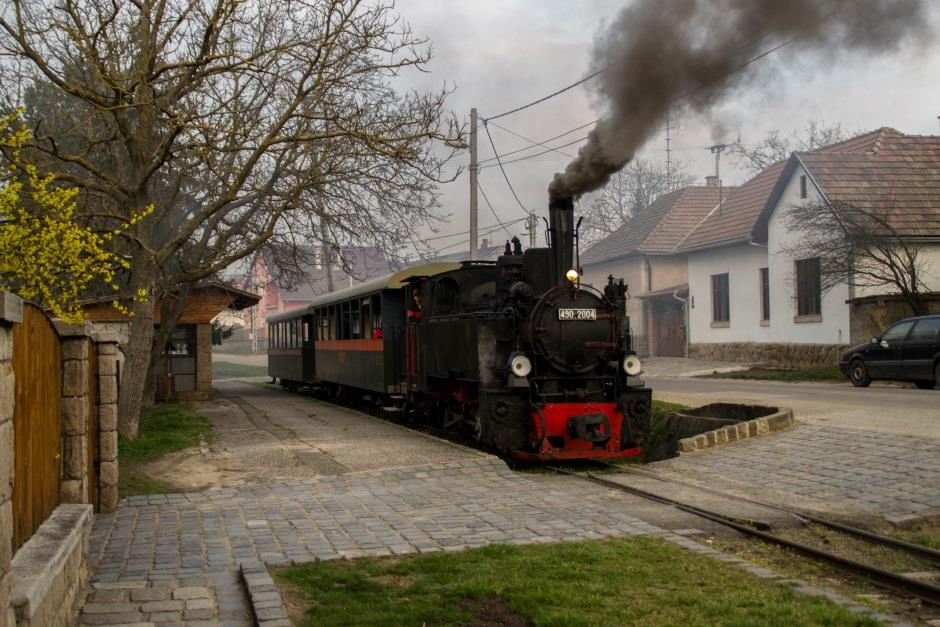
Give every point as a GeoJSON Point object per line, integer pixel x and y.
{"type": "Point", "coordinates": [908, 351]}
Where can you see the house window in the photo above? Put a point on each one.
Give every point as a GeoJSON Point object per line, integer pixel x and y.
{"type": "Point", "coordinates": [764, 294]}
{"type": "Point", "coordinates": [720, 305]}
{"type": "Point", "coordinates": [803, 186]}
{"type": "Point", "coordinates": [808, 288]}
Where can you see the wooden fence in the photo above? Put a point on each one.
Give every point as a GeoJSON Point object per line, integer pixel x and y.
{"type": "Point", "coordinates": [36, 422]}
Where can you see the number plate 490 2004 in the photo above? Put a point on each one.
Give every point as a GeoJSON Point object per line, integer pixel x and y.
{"type": "Point", "coordinates": [577, 314]}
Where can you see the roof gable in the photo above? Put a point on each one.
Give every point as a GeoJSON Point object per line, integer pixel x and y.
{"type": "Point", "coordinates": [658, 227]}
{"type": "Point", "coordinates": [744, 213]}
{"type": "Point", "coordinates": [897, 174]}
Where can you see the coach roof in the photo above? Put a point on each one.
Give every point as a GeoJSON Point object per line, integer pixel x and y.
{"type": "Point", "coordinates": [394, 281]}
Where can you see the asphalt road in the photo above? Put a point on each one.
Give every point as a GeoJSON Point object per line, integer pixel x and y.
{"type": "Point", "coordinates": [879, 408]}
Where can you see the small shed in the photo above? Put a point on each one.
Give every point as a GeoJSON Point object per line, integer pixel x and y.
{"type": "Point", "coordinates": [185, 368]}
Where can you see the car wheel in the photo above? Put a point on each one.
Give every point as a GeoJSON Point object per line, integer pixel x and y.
{"type": "Point", "coordinates": [858, 374]}
{"type": "Point", "coordinates": [924, 385]}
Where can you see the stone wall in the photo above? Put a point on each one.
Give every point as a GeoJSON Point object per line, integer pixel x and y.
{"type": "Point", "coordinates": [52, 569]}
{"type": "Point", "coordinates": [75, 349]}
{"type": "Point", "coordinates": [776, 355]}
{"type": "Point", "coordinates": [869, 316]}
{"type": "Point", "coordinates": [42, 584]}
{"type": "Point", "coordinates": [10, 313]}
{"type": "Point", "coordinates": [107, 349]}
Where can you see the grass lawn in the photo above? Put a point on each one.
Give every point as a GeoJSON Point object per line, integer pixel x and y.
{"type": "Point", "coordinates": [222, 369]}
{"type": "Point", "coordinates": [662, 409]}
{"type": "Point", "coordinates": [164, 428]}
{"type": "Point", "coordinates": [633, 581]}
{"type": "Point", "coordinates": [825, 374]}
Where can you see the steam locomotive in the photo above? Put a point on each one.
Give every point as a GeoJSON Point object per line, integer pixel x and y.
{"type": "Point", "coordinates": [517, 353]}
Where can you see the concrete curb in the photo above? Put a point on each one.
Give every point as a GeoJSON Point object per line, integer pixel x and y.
{"type": "Point", "coordinates": [265, 600]}
{"type": "Point", "coordinates": [746, 430]}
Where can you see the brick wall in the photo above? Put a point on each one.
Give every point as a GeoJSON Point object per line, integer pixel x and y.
{"type": "Point", "coordinates": [107, 349]}
{"type": "Point", "coordinates": [777, 355]}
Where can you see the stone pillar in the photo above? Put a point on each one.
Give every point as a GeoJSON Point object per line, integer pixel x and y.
{"type": "Point", "coordinates": [107, 348]}
{"type": "Point", "coordinates": [11, 311]}
{"type": "Point", "coordinates": [75, 373]}
{"type": "Point", "coordinates": [204, 360]}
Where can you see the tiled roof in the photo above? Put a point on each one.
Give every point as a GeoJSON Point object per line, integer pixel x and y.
{"type": "Point", "coordinates": [363, 263]}
{"type": "Point", "coordinates": [900, 176]}
{"type": "Point", "coordinates": [737, 218]}
{"type": "Point", "coordinates": [659, 227]}
{"type": "Point", "coordinates": [734, 219]}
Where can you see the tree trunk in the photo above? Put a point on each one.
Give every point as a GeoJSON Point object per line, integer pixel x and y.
{"type": "Point", "coordinates": [170, 314]}
{"type": "Point", "coordinates": [136, 363]}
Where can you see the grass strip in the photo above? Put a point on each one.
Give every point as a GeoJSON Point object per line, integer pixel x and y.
{"type": "Point", "coordinates": [630, 581]}
{"type": "Point", "coordinates": [164, 428]}
{"type": "Point", "coordinates": [824, 374]}
{"type": "Point", "coordinates": [223, 369]}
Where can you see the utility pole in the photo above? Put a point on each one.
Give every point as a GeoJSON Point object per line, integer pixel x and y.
{"type": "Point", "coordinates": [474, 171]}
{"type": "Point", "coordinates": [531, 223]}
{"type": "Point", "coordinates": [668, 152]}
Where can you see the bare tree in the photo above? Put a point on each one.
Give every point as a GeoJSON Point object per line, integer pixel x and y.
{"type": "Point", "coordinates": [777, 147]}
{"type": "Point", "coordinates": [860, 245]}
{"type": "Point", "coordinates": [628, 193]}
{"type": "Point", "coordinates": [233, 118]}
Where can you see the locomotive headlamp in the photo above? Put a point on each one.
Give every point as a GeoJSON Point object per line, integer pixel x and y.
{"type": "Point", "coordinates": [632, 365]}
{"type": "Point", "coordinates": [572, 275]}
{"type": "Point", "coordinates": [520, 365]}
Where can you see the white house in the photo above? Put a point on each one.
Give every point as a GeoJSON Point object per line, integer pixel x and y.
{"type": "Point", "coordinates": [641, 252]}
{"type": "Point", "coordinates": [752, 301]}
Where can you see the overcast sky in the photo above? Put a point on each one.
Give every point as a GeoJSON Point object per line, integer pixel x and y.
{"type": "Point", "coordinates": [499, 54]}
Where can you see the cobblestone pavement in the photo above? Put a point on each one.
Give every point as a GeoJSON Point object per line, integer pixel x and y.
{"type": "Point", "coordinates": [840, 471]}
{"type": "Point", "coordinates": [169, 543]}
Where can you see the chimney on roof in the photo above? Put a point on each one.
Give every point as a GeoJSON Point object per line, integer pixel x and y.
{"type": "Point", "coordinates": [711, 181]}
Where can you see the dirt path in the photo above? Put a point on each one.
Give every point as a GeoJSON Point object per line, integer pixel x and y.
{"type": "Point", "coordinates": [265, 435]}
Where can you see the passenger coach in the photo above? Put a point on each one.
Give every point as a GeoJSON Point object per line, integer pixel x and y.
{"type": "Point", "coordinates": [353, 338]}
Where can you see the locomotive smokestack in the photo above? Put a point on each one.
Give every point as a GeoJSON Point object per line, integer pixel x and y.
{"type": "Point", "coordinates": [561, 225]}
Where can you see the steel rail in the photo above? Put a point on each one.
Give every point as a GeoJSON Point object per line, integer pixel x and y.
{"type": "Point", "coordinates": [885, 578]}
{"type": "Point", "coordinates": [870, 536]}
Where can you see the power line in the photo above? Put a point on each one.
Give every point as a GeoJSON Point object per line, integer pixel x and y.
{"type": "Point", "coordinates": [545, 152]}
{"type": "Point", "coordinates": [676, 99]}
{"type": "Point", "coordinates": [483, 232]}
{"type": "Point", "coordinates": [488, 229]}
{"type": "Point", "coordinates": [548, 97]}
{"type": "Point", "coordinates": [493, 211]}
{"type": "Point", "coordinates": [539, 143]}
{"type": "Point", "coordinates": [501, 169]}
{"type": "Point", "coordinates": [531, 141]}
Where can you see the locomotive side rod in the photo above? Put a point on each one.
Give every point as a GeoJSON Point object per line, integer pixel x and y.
{"type": "Point", "coordinates": [879, 576]}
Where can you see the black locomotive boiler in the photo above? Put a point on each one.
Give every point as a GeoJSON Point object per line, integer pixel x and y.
{"type": "Point", "coordinates": [517, 353]}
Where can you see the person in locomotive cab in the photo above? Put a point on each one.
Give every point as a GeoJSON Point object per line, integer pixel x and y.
{"type": "Point", "coordinates": [415, 311]}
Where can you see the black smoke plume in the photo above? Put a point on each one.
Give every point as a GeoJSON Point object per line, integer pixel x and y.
{"type": "Point", "coordinates": [688, 53]}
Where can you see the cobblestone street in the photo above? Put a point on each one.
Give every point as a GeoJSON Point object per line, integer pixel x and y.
{"type": "Point", "coordinates": [175, 558]}
{"type": "Point", "coordinates": [155, 547]}
{"type": "Point", "coordinates": [831, 470]}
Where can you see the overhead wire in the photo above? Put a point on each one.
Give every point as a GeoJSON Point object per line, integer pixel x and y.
{"type": "Point", "coordinates": [548, 97]}
{"type": "Point", "coordinates": [539, 143]}
{"type": "Point", "coordinates": [493, 211]}
{"type": "Point", "coordinates": [501, 169]}
{"type": "Point", "coordinates": [681, 96]}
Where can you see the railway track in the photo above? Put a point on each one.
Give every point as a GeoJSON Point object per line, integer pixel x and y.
{"type": "Point", "coordinates": [924, 590]}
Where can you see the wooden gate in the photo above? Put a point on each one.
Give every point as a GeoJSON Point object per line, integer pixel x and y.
{"type": "Point", "coordinates": [669, 329]}
{"type": "Point", "coordinates": [92, 425]}
{"type": "Point", "coordinates": [36, 422]}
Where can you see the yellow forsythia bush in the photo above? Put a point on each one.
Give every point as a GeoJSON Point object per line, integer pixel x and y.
{"type": "Point", "coordinates": [45, 254]}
